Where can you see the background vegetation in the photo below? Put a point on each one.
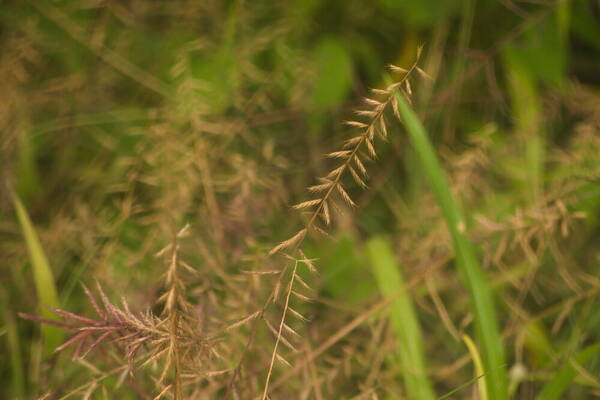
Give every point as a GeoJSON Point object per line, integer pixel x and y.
{"type": "Point", "coordinates": [152, 151]}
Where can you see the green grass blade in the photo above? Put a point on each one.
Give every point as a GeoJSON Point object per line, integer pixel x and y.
{"type": "Point", "coordinates": [479, 371]}
{"type": "Point", "coordinates": [560, 383]}
{"type": "Point", "coordinates": [403, 318]}
{"type": "Point", "coordinates": [42, 276]}
{"type": "Point", "coordinates": [486, 324]}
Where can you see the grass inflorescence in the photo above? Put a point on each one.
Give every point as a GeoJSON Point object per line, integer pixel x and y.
{"type": "Point", "coordinates": [186, 214]}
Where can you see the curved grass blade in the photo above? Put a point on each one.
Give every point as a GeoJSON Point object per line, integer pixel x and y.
{"type": "Point", "coordinates": [486, 324]}
{"type": "Point", "coordinates": [403, 318]}
{"type": "Point", "coordinates": [42, 276]}
{"type": "Point", "coordinates": [478, 366]}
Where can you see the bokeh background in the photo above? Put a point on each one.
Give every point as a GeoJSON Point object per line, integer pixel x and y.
{"type": "Point", "coordinates": [121, 122]}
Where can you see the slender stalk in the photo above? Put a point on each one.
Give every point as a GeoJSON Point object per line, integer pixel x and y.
{"type": "Point", "coordinates": [280, 331]}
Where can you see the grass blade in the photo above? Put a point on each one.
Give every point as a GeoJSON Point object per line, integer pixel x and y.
{"type": "Point", "coordinates": [42, 276]}
{"type": "Point", "coordinates": [479, 372]}
{"type": "Point", "coordinates": [403, 318]}
{"type": "Point", "coordinates": [486, 324]}
{"type": "Point", "coordinates": [560, 383]}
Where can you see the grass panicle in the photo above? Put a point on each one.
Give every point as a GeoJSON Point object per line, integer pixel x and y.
{"type": "Point", "coordinates": [357, 151]}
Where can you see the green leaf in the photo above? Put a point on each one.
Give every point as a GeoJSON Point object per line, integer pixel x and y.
{"type": "Point", "coordinates": [537, 343]}
{"type": "Point", "coordinates": [479, 371]}
{"type": "Point", "coordinates": [562, 380]}
{"type": "Point", "coordinates": [403, 318]}
{"type": "Point", "coordinates": [42, 276]}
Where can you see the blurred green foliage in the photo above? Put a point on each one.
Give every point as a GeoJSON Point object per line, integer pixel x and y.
{"type": "Point", "coordinates": [121, 122]}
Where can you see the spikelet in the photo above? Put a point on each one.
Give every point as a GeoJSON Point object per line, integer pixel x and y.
{"type": "Point", "coordinates": [301, 296]}
{"type": "Point", "coordinates": [302, 282]}
{"type": "Point", "coordinates": [320, 188]}
{"type": "Point", "coordinates": [243, 321]}
{"type": "Point", "coordinates": [307, 262]}
{"type": "Point", "coordinates": [321, 231]}
{"type": "Point", "coordinates": [408, 87]}
{"type": "Point", "coordinates": [395, 68]}
{"type": "Point", "coordinates": [325, 213]}
{"type": "Point", "coordinates": [289, 242]}
{"type": "Point", "coordinates": [366, 113]}
{"type": "Point", "coordinates": [345, 195]}
{"type": "Point", "coordinates": [307, 204]}
{"type": "Point", "coordinates": [372, 102]}
{"type": "Point", "coordinates": [335, 173]}
{"type": "Point", "coordinates": [283, 360]}
{"type": "Point", "coordinates": [360, 165]}
{"type": "Point", "coordinates": [424, 74]}
{"type": "Point", "coordinates": [357, 124]}
{"type": "Point", "coordinates": [380, 92]}
{"type": "Point", "coordinates": [297, 314]}
{"type": "Point", "coordinates": [383, 128]}
{"type": "Point", "coordinates": [265, 272]}
{"type": "Point", "coordinates": [357, 178]}
{"type": "Point", "coordinates": [339, 154]}
{"type": "Point", "coordinates": [371, 148]}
